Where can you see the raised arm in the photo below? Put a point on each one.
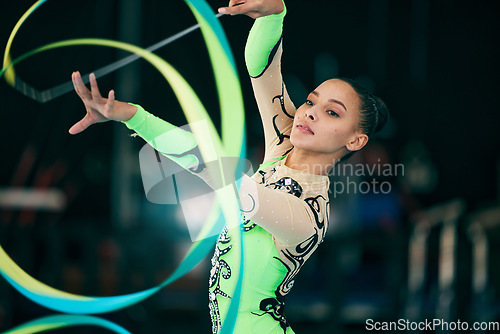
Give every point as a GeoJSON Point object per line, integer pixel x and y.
{"type": "Point", "coordinates": [263, 59]}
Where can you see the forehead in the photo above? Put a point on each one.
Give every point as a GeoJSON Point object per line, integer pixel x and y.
{"type": "Point", "coordinates": [339, 90]}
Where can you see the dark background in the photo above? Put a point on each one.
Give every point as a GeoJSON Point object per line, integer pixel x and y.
{"type": "Point", "coordinates": [435, 64]}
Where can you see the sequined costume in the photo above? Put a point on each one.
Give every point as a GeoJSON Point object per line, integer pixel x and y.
{"type": "Point", "coordinates": [289, 209]}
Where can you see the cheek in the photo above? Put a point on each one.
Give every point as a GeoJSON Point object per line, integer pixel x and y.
{"type": "Point", "coordinates": [297, 119]}
{"type": "Point", "coordinates": [342, 129]}
{"type": "Point", "coordinates": [299, 115]}
{"type": "Point", "coordinates": [292, 135]}
{"type": "Point", "coordinates": [336, 132]}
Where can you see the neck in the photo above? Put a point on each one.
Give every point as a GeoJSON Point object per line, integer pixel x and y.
{"type": "Point", "coordinates": [311, 162]}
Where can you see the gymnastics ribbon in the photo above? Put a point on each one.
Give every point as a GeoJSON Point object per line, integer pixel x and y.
{"type": "Point", "coordinates": [232, 144]}
{"type": "Point", "coordinates": [10, 74]}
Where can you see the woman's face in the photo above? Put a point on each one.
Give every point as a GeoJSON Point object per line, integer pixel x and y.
{"type": "Point", "coordinates": [328, 120]}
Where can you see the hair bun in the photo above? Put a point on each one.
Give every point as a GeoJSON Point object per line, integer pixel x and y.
{"type": "Point", "coordinates": [374, 112]}
{"type": "Point", "coordinates": [382, 113]}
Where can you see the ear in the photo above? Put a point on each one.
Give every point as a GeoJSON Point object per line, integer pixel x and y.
{"type": "Point", "coordinates": [358, 142]}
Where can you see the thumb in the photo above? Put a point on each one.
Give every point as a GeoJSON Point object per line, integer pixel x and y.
{"type": "Point", "coordinates": [83, 124]}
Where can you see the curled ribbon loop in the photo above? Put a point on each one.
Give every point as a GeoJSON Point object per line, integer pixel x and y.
{"type": "Point", "coordinates": [231, 144]}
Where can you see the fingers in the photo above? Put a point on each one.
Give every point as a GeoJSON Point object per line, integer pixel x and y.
{"type": "Point", "coordinates": [80, 87]}
{"type": "Point", "coordinates": [233, 3]}
{"type": "Point", "coordinates": [111, 96]}
{"type": "Point", "coordinates": [75, 85]}
{"type": "Point", "coordinates": [110, 104]}
{"type": "Point", "coordinates": [94, 89]}
{"type": "Point", "coordinates": [238, 8]}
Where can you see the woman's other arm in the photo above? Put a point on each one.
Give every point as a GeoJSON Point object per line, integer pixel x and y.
{"type": "Point", "coordinates": [173, 142]}
{"type": "Point", "coordinates": [288, 218]}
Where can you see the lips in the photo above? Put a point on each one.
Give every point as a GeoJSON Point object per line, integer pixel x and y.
{"type": "Point", "coordinates": [305, 128]}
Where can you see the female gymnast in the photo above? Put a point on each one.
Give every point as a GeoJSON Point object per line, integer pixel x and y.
{"type": "Point", "coordinates": [285, 204]}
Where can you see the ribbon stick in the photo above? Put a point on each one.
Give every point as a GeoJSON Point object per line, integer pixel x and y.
{"type": "Point", "coordinates": [59, 90]}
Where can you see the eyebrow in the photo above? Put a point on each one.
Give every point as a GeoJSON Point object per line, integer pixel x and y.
{"type": "Point", "coordinates": [330, 100]}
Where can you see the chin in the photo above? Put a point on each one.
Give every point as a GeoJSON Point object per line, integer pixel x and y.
{"type": "Point", "coordinates": [296, 142]}
{"type": "Point", "coordinates": [311, 147]}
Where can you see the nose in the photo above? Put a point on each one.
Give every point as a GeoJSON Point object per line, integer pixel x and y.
{"type": "Point", "coordinates": [310, 113]}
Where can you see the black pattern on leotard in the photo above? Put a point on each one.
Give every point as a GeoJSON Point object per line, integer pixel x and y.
{"type": "Point", "coordinates": [289, 185]}
{"type": "Point", "coordinates": [220, 270]}
{"type": "Point", "coordinates": [281, 98]}
{"type": "Point", "coordinates": [275, 306]}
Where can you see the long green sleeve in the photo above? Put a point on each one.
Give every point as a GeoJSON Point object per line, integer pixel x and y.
{"type": "Point", "coordinates": [171, 141]}
{"type": "Point", "coordinates": [263, 41]}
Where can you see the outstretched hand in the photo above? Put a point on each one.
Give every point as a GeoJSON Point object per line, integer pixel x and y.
{"type": "Point", "coordinates": [253, 8]}
{"type": "Point", "coordinates": [99, 109]}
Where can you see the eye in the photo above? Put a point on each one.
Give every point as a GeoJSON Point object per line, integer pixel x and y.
{"type": "Point", "coordinates": [333, 113]}
{"type": "Point", "coordinates": [309, 103]}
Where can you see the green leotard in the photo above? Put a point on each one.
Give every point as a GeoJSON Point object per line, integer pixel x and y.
{"type": "Point", "coordinates": [285, 211]}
